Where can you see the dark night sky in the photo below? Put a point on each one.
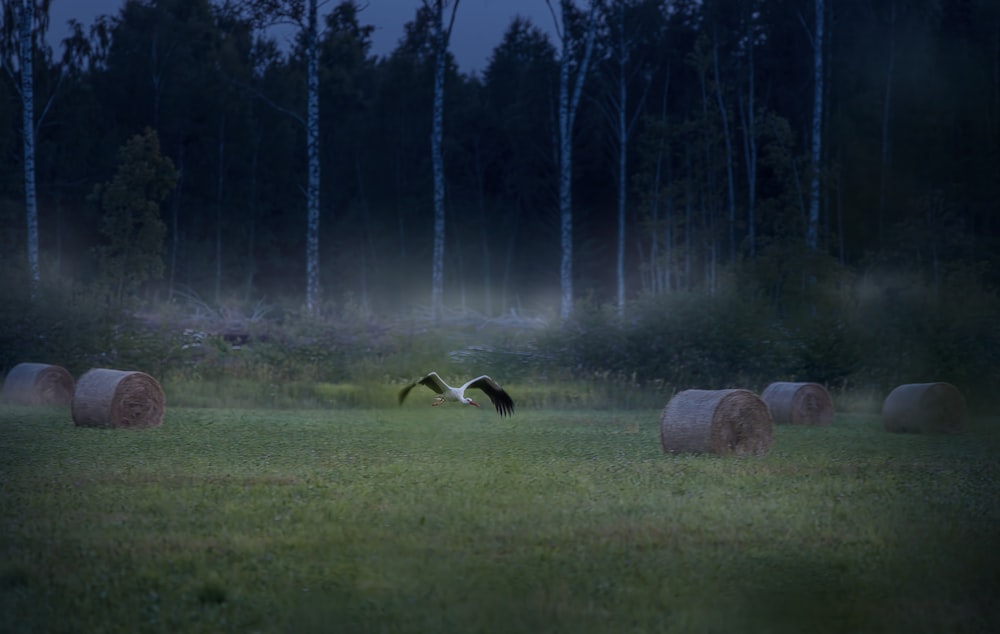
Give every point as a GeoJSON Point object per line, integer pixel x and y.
{"type": "Point", "coordinates": [479, 24]}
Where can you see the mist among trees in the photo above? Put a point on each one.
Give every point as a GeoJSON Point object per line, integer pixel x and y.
{"type": "Point", "coordinates": [792, 152]}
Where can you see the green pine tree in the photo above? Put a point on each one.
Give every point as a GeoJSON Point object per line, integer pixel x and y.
{"type": "Point", "coordinates": [133, 247]}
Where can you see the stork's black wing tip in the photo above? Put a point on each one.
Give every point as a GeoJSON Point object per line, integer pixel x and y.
{"type": "Point", "coordinates": [504, 404]}
{"type": "Point", "coordinates": [403, 392]}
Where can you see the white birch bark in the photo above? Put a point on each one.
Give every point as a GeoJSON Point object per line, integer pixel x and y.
{"type": "Point", "coordinates": [437, 156]}
{"type": "Point", "coordinates": [28, 121]}
{"type": "Point", "coordinates": [312, 152]}
{"type": "Point", "coordinates": [812, 229]}
{"type": "Point", "coordinates": [565, 182]}
{"type": "Point", "coordinates": [569, 99]}
{"type": "Point", "coordinates": [622, 151]}
{"type": "Point", "coordinates": [623, 130]}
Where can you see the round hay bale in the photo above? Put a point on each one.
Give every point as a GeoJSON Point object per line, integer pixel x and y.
{"type": "Point", "coordinates": [38, 384]}
{"type": "Point", "coordinates": [930, 408]}
{"type": "Point", "coordinates": [118, 399]}
{"type": "Point", "coordinates": [798, 403]}
{"type": "Point", "coordinates": [725, 422]}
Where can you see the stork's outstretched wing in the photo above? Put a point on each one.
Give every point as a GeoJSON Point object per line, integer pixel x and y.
{"type": "Point", "coordinates": [501, 399]}
{"type": "Point", "coordinates": [431, 380]}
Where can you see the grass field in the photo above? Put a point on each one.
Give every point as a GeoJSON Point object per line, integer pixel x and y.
{"type": "Point", "coordinates": [452, 520]}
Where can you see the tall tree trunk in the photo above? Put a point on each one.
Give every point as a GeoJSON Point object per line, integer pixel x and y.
{"type": "Point", "coordinates": [312, 152]}
{"type": "Point", "coordinates": [750, 141]}
{"type": "Point", "coordinates": [565, 185]}
{"type": "Point", "coordinates": [569, 99]}
{"type": "Point", "coordinates": [731, 194]}
{"type": "Point", "coordinates": [174, 221]}
{"type": "Point", "coordinates": [252, 229]}
{"type": "Point", "coordinates": [688, 212]}
{"type": "Point", "coordinates": [367, 246]}
{"type": "Point", "coordinates": [28, 123]}
{"type": "Point", "coordinates": [441, 36]}
{"type": "Point", "coordinates": [400, 219]}
{"type": "Point", "coordinates": [886, 111]}
{"type": "Point", "coordinates": [668, 275]}
{"type": "Point", "coordinates": [708, 189]}
{"type": "Point", "coordinates": [508, 266]}
{"type": "Point", "coordinates": [485, 234]}
{"type": "Point", "coordinates": [662, 272]}
{"type": "Point", "coordinates": [218, 208]}
{"type": "Point", "coordinates": [812, 230]}
{"type": "Point", "coordinates": [622, 153]}
{"type": "Point", "coordinates": [654, 211]}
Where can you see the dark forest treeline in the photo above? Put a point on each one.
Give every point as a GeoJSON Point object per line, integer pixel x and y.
{"type": "Point", "coordinates": [718, 98]}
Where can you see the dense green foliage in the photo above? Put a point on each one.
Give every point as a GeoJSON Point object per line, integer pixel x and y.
{"type": "Point", "coordinates": [910, 170]}
{"type": "Point", "coordinates": [448, 520]}
{"type": "Point", "coordinates": [865, 338]}
{"type": "Point", "coordinates": [131, 225]}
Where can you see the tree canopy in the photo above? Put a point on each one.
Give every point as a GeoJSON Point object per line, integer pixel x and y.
{"type": "Point", "coordinates": [719, 162]}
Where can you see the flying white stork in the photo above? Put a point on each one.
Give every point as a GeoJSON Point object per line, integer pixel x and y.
{"type": "Point", "coordinates": [501, 400]}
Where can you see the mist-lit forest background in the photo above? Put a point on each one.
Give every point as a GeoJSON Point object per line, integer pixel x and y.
{"type": "Point", "coordinates": [719, 281]}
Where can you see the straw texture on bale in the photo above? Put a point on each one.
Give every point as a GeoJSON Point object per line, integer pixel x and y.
{"type": "Point", "coordinates": [798, 403]}
{"type": "Point", "coordinates": [38, 384]}
{"type": "Point", "coordinates": [725, 422]}
{"type": "Point", "coordinates": [930, 408]}
{"type": "Point", "coordinates": [118, 399]}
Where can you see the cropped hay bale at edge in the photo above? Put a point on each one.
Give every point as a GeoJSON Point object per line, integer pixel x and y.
{"type": "Point", "coordinates": [725, 422]}
{"type": "Point", "coordinates": [798, 403]}
{"type": "Point", "coordinates": [118, 399]}
{"type": "Point", "coordinates": [38, 384]}
{"type": "Point", "coordinates": [930, 408]}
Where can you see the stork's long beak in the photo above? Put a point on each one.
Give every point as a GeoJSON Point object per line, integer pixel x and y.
{"type": "Point", "coordinates": [474, 403]}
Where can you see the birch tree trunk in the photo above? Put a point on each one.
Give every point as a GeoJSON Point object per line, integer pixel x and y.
{"type": "Point", "coordinates": [623, 130]}
{"type": "Point", "coordinates": [750, 140]}
{"type": "Point", "coordinates": [565, 189]}
{"type": "Point", "coordinates": [886, 110]}
{"type": "Point", "coordinates": [220, 182]}
{"type": "Point", "coordinates": [812, 229]}
{"type": "Point", "coordinates": [28, 122]}
{"type": "Point", "coordinates": [437, 162]}
{"type": "Point", "coordinates": [569, 99]}
{"type": "Point", "coordinates": [312, 152]}
{"type": "Point", "coordinates": [622, 152]}
{"type": "Point", "coordinates": [441, 36]}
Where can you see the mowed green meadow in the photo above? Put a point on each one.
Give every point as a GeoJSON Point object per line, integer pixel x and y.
{"type": "Point", "coordinates": [450, 519]}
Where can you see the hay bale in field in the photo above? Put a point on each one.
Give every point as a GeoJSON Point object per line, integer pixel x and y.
{"type": "Point", "coordinates": [798, 403]}
{"type": "Point", "coordinates": [924, 408]}
{"type": "Point", "coordinates": [725, 422]}
{"type": "Point", "coordinates": [117, 398]}
{"type": "Point", "coordinates": [38, 384]}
